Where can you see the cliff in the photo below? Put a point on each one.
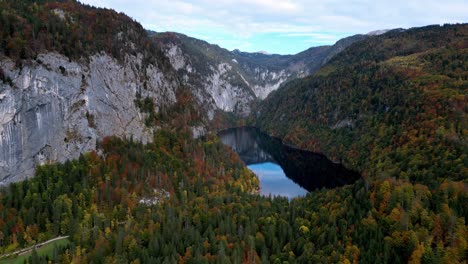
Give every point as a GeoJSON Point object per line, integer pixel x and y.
{"type": "Point", "coordinates": [56, 108]}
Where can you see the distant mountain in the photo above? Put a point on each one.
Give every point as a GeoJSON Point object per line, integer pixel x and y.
{"type": "Point", "coordinates": [264, 52]}
{"type": "Point", "coordinates": [232, 80]}
{"type": "Point", "coordinates": [393, 103]}
{"type": "Point", "coordinates": [378, 32]}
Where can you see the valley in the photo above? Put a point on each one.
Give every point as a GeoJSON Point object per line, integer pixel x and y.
{"type": "Point", "coordinates": [135, 144]}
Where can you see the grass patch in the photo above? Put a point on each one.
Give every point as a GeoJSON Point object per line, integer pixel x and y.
{"type": "Point", "coordinates": [46, 250]}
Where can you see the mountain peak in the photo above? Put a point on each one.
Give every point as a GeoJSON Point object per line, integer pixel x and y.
{"type": "Point", "coordinates": [378, 32]}
{"type": "Point", "coordinates": [263, 52]}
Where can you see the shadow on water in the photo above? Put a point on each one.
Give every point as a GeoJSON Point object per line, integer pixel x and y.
{"type": "Point", "coordinates": [307, 169]}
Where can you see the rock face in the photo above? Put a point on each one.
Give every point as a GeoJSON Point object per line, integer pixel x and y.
{"type": "Point", "coordinates": [54, 109]}
{"type": "Point", "coordinates": [232, 80]}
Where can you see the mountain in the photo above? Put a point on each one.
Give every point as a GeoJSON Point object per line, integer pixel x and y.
{"type": "Point", "coordinates": [232, 80]}
{"type": "Point", "coordinates": [392, 104]}
{"type": "Point", "coordinates": [71, 74]}
{"type": "Point", "coordinates": [392, 107]}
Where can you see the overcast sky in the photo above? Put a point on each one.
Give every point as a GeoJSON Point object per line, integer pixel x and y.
{"type": "Point", "coordinates": [284, 27]}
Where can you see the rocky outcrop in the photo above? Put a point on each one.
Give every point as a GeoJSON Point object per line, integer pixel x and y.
{"type": "Point", "coordinates": [216, 83]}
{"type": "Point", "coordinates": [53, 109]}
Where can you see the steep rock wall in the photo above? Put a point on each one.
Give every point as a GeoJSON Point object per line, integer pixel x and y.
{"type": "Point", "coordinates": [54, 109]}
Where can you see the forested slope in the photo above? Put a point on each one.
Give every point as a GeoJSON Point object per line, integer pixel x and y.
{"type": "Point", "coordinates": [30, 27]}
{"type": "Point", "coordinates": [391, 106]}
{"type": "Point", "coordinates": [180, 200]}
{"type": "Point", "coordinates": [394, 107]}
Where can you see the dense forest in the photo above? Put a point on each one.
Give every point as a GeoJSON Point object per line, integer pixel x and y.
{"type": "Point", "coordinates": [391, 106]}
{"type": "Point", "coordinates": [193, 201]}
{"type": "Point", "coordinates": [29, 27]}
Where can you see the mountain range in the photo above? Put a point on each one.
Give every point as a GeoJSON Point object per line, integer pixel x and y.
{"type": "Point", "coordinates": [232, 80]}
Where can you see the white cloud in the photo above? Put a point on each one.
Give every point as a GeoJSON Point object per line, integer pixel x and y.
{"type": "Point", "coordinates": [240, 20]}
{"type": "Point", "coordinates": [274, 5]}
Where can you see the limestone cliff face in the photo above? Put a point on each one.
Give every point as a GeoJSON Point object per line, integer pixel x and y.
{"type": "Point", "coordinates": [54, 109]}
{"type": "Point", "coordinates": [216, 84]}
{"type": "Point", "coordinates": [218, 78]}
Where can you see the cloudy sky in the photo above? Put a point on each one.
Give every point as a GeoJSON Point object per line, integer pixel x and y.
{"type": "Point", "coordinates": [284, 27]}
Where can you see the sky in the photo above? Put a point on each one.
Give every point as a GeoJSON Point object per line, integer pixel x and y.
{"type": "Point", "coordinates": [274, 182]}
{"type": "Point", "coordinates": [284, 26]}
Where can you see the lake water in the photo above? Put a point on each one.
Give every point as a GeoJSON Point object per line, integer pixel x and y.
{"type": "Point", "coordinates": [275, 182]}
{"type": "Point", "coordinates": [282, 169]}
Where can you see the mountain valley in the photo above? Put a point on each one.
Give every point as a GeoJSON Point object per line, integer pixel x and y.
{"type": "Point", "coordinates": [108, 137]}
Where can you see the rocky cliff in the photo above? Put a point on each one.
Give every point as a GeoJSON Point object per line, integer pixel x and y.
{"type": "Point", "coordinates": [232, 80]}
{"type": "Point", "coordinates": [56, 108]}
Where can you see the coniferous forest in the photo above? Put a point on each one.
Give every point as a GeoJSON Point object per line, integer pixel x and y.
{"type": "Point", "coordinates": [392, 107]}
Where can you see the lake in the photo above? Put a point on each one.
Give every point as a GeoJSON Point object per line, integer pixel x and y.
{"type": "Point", "coordinates": [284, 170]}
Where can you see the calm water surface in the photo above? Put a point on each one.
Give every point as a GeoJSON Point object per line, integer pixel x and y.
{"type": "Point", "coordinates": [274, 181]}
{"type": "Point", "coordinates": [282, 169]}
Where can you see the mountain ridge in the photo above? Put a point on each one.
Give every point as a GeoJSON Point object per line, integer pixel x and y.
{"type": "Point", "coordinates": [383, 86]}
{"type": "Point", "coordinates": [240, 76]}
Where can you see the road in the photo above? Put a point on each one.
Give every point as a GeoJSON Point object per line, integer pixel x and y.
{"type": "Point", "coordinates": [28, 249]}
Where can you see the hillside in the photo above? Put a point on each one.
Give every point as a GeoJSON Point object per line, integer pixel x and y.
{"type": "Point", "coordinates": [391, 106]}
{"type": "Point", "coordinates": [132, 202]}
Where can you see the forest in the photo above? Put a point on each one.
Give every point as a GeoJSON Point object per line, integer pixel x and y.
{"type": "Point", "coordinates": [181, 200]}
{"type": "Point", "coordinates": [389, 106]}
{"type": "Point", "coordinates": [29, 27]}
